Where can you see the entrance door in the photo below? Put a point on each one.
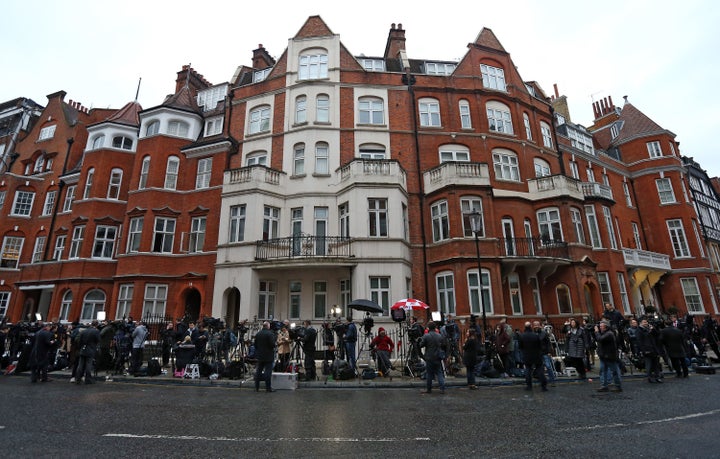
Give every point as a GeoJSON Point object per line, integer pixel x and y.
{"type": "Point", "coordinates": [192, 305]}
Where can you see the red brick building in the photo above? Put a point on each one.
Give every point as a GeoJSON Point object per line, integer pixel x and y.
{"type": "Point", "coordinates": [306, 182]}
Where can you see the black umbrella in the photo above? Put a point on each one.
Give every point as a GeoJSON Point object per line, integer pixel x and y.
{"type": "Point", "coordinates": [365, 305]}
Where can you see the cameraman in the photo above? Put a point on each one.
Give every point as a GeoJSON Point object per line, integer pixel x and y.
{"type": "Point", "coordinates": [368, 323]}
{"type": "Point", "coordinates": [308, 343]}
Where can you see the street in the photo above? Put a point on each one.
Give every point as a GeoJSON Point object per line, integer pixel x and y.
{"type": "Point", "coordinates": [677, 419]}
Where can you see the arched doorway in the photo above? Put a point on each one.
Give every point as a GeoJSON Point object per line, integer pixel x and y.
{"type": "Point", "coordinates": [232, 307]}
{"type": "Point", "coordinates": [192, 305]}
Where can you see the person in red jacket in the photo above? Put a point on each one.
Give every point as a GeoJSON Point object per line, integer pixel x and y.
{"type": "Point", "coordinates": [383, 346]}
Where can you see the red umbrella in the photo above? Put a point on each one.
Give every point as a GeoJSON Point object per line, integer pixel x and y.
{"type": "Point", "coordinates": [410, 303]}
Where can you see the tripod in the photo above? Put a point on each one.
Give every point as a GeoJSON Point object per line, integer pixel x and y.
{"type": "Point", "coordinates": [296, 357]}
{"type": "Point", "coordinates": [405, 363]}
{"type": "Point", "coordinates": [364, 352]}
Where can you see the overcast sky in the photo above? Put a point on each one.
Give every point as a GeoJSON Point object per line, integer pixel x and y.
{"type": "Point", "coordinates": [664, 55]}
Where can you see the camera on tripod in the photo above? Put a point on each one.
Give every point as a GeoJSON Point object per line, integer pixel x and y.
{"type": "Point", "coordinates": [368, 324]}
{"type": "Point", "coordinates": [297, 333]}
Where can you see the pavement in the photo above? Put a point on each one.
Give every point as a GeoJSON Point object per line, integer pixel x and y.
{"type": "Point", "coordinates": [395, 380]}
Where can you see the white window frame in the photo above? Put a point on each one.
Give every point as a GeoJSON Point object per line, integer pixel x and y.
{"type": "Point", "coordinates": [429, 111]}
{"type": "Point", "coordinates": [144, 173]}
{"type": "Point", "coordinates": [624, 298]}
{"type": "Point", "coordinates": [322, 109]}
{"type": "Point", "coordinates": [378, 217]}
{"type": "Point", "coordinates": [528, 128]}
{"type": "Point", "coordinates": [537, 298]}
{"type": "Point", "coordinates": [465, 118]}
{"type": "Point", "coordinates": [610, 228]}
{"type": "Point", "coordinates": [88, 183]}
{"type": "Point", "coordinates": [135, 229]}
{"type": "Point", "coordinates": [691, 293]}
{"type": "Point", "coordinates": [213, 126]}
{"type": "Point", "coordinates": [605, 288]}
{"type": "Point", "coordinates": [313, 66]}
{"type": "Point", "coordinates": [267, 296]}
{"type": "Point", "coordinates": [636, 236]}
{"type": "Point", "coordinates": [198, 226]}
{"type": "Point", "coordinates": [515, 292]}
{"type": "Point", "coordinates": [60, 241]}
{"type": "Point", "coordinates": [49, 202]}
{"type": "Point", "coordinates": [320, 292]}
{"type": "Point", "coordinates": [475, 289]}
{"type": "Point", "coordinates": [172, 170]}
{"type": "Point", "coordinates": [440, 221]}
{"type": "Point", "coordinates": [4, 303]}
{"type": "Point", "coordinates": [48, 132]}
{"type": "Point", "coordinates": [493, 77]}
{"type": "Point", "coordinates": [665, 191]}
{"type": "Point", "coordinates": [380, 292]}
{"type": "Point", "coordinates": [469, 204]}
{"type": "Point", "coordinates": [593, 227]}
{"type": "Point", "coordinates": [122, 142]}
{"type": "Point", "coordinates": [93, 303]}
{"type": "Point", "coordinates": [204, 173]}
{"type": "Point", "coordinates": [271, 222]}
{"type": "Point", "coordinates": [76, 242]}
{"type": "Point", "coordinates": [299, 159]}
{"type": "Point", "coordinates": [676, 231]}
{"type": "Point", "coordinates": [65, 305]}
{"type": "Point", "coordinates": [38, 249]}
{"type": "Point", "coordinates": [163, 235]}
{"type": "Point", "coordinates": [546, 133]}
{"type": "Point", "coordinates": [542, 168]}
{"type": "Point", "coordinates": [574, 172]}
{"type": "Point", "coordinates": [259, 120]}
{"type": "Point", "coordinates": [124, 302]}
{"type": "Point", "coordinates": [256, 159]}
{"type": "Point", "coordinates": [178, 128]}
{"type": "Point", "coordinates": [576, 218]}
{"type": "Point", "coordinates": [155, 300]}
{"type": "Point", "coordinates": [371, 110]}
{"type": "Point", "coordinates": [114, 184]}
{"type": "Point", "coordinates": [301, 109]}
{"type": "Point", "coordinates": [104, 243]}
{"type": "Point", "coordinates": [446, 298]}
{"type": "Point", "coordinates": [549, 225]}
{"type": "Point", "coordinates": [11, 251]}
{"type": "Point", "coordinates": [565, 295]}
{"type": "Point", "coordinates": [344, 219]}
{"type": "Point", "coordinates": [237, 223]}
{"type": "Point", "coordinates": [23, 203]}
{"type": "Point", "coordinates": [153, 128]}
{"type": "Point", "coordinates": [654, 149]}
{"type": "Point", "coordinates": [294, 299]}
{"type": "Point", "coordinates": [626, 192]}
{"type": "Point", "coordinates": [505, 164]}
{"type": "Point", "coordinates": [454, 153]}
{"type": "Point", "coordinates": [322, 158]}
{"type": "Point", "coordinates": [499, 118]}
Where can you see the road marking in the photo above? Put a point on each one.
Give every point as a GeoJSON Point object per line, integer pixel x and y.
{"type": "Point", "coordinates": [256, 439]}
{"type": "Point", "coordinates": [639, 423]}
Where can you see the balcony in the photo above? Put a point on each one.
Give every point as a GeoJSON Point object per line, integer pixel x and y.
{"type": "Point", "coordinates": [304, 247]}
{"type": "Point", "coordinates": [374, 171]}
{"type": "Point", "coordinates": [645, 259]}
{"type": "Point", "coordinates": [597, 190]}
{"type": "Point", "coordinates": [535, 255]}
{"type": "Point", "coordinates": [456, 173]}
{"type": "Point", "coordinates": [554, 186]}
{"type": "Point", "coordinates": [253, 178]}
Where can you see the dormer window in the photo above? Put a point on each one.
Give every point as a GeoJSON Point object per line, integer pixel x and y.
{"type": "Point", "coordinates": [153, 128]}
{"type": "Point", "coordinates": [178, 128]}
{"type": "Point", "coordinates": [122, 142]}
{"type": "Point", "coordinates": [439, 68]}
{"type": "Point", "coordinates": [39, 163]}
{"type": "Point", "coordinates": [614, 131]}
{"type": "Point", "coordinates": [209, 98]}
{"type": "Point", "coordinates": [98, 142]}
{"type": "Point", "coordinates": [373, 65]}
{"type": "Point", "coordinates": [213, 126]}
{"type": "Point", "coordinates": [260, 75]}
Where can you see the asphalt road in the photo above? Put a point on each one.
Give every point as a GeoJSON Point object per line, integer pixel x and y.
{"type": "Point", "coordinates": [680, 418]}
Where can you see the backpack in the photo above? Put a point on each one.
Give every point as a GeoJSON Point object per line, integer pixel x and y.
{"type": "Point", "coordinates": [153, 367]}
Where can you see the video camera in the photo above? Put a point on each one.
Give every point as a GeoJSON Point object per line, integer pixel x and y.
{"type": "Point", "coordinates": [368, 324]}
{"type": "Point", "coordinates": [297, 333]}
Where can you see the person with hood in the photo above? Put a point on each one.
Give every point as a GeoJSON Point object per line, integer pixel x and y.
{"type": "Point", "coordinates": [383, 347]}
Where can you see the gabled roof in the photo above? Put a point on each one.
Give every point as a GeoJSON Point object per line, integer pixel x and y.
{"type": "Point", "coordinates": [487, 39]}
{"type": "Point", "coordinates": [183, 100]}
{"type": "Point", "coordinates": [635, 124]}
{"type": "Point", "coordinates": [314, 27]}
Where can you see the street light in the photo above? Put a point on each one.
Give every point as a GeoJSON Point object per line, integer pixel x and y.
{"type": "Point", "coordinates": [476, 226]}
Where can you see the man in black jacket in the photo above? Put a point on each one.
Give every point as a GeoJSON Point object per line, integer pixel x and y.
{"type": "Point", "coordinates": [532, 349]}
{"type": "Point", "coordinates": [309, 347]}
{"type": "Point", "coordinates": [673, 340]}
{"type": "Point", "coordinates": [265, 355]}
{"type": "Point", "coordinates": [608, 353]}
{"type": "Point", "coordinates": [40, 355]}
{"type": "Point", "coordinates": [646, 345]}
{"type": "Point", "coordinates": [435, 347]}
{"type": "Point", "coordinates": [89, 340]}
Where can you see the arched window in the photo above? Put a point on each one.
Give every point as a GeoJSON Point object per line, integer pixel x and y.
{"type": "Point", "coordinates": [454, 153]}
{"type": "Point", "coordinates": [505, 163]}
{"type": "Point", "coordinates": [153, 128]}
{"type": "Point", "coordinates": [322, 164]}
{"type": "Point", "coordinates": [445, 284]}
{"type": "Point", "coordinates": [371, 110]}
{"type": "Point", "coordinates": [499, 119]}
{"type": "Point", "coordinates": [65, 305]}
{"type": "Point", "coordinates": [429, 110]}
{"type": "Point", "coordinates": [301, 109]}
{"type": "Point", "coordinates": [546, 134]}
{"type": "Point", "coordinates": [480, 295]}
{"type": "Point", "coordinates": [322, 108]}
{"type": "Point", "coordinates": [171, 173]}
{"type": "Point", "coordinates": [542, 167]}
{"type": "Point", "coordinates": [313, 65]}
{"type": "Point", "coordinates": [465, 120]}
{"type": "Point", "coordinates": [144, 173]}
{"type": "Point", "coordinates": [39, 163]}
{"type": "Point", "coordinates": [98, 142]}
{"type": "Point", "coordinates": [528, 130]}
{"type": "Point", "coordinates": [299, 159]}
{"type": "Point", "coordinates": [114, 184]}
{"type": "Point", "coordinates": [372, 151]}
{"type": "Point", "coordinates": [258, 158]}
{"type": "Point", "coordinates": [563, 298]}
{"type": "Point", "coordinates": [122, 142]}
{"type": "Point", "coordinates": [93, 303]}
{"type": "Point", "coordinates": [549, 225]}
{"type": "Point", "coordinates": [259, 120]}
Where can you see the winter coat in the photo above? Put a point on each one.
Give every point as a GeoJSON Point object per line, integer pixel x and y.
{"type": "Point", "coordinates": [532, 347]}
{"type": "Point", "coordinates": [646, 341]}
{"type": "Point", "coordinates": [576, 343]}
{"type": "Point", "coordinates": [265, 346]}
{"type": "Point", "coordinates": [607, 346]}
{"type": "Point", "coordinates": [673, 340]}
{"type": "Point", "coordinates": [283, 341]}
{"type": "Point", "coordinates": [471, 350]}
{"type": "Point", "coordinates": [502, 342]}
{"type": "Point", "coordinates": [433, 343]}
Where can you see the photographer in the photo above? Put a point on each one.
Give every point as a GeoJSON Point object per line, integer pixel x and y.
{"type": "Point", "coordinates": [646, 343]}
{"type": "Point", "coordinates": [308, 343]}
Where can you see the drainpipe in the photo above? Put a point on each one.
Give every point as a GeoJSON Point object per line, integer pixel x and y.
{"type": "Point", "coordinates": [409, 80]}
{"type": "Point", "coordinates": [56, 205]}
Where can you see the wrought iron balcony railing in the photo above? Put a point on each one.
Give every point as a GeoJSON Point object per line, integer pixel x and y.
{"type": "Point", "coordinates": [531, 247]}
{"type": "Point", "coordinates": [304, 246]}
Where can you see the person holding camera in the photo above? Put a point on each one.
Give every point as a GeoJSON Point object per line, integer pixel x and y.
{"type": "Point", "coordinates": [308, 343]}
{"type": "Point", "coordinates": [383, 346]}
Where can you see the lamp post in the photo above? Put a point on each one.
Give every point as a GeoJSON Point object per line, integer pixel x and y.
{"type": "Point", "coordinates": [476, 226]}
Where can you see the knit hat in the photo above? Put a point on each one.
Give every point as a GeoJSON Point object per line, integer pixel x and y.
{"type": "Point", "coordinates": [380, 330]}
